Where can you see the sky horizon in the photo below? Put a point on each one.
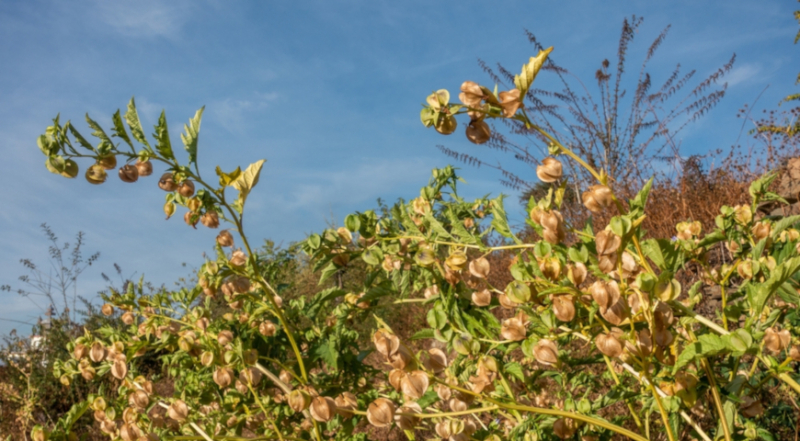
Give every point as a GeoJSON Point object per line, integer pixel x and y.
{"type": "Point", "coordinates": [328, 92]}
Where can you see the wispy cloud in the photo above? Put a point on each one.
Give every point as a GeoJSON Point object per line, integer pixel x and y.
{"type": "Point", "coordinates": [743, 73]}
{"type": "Point", "coordinates": [144, 18]}
{"type": "Point", "coordinates": [233, 113]}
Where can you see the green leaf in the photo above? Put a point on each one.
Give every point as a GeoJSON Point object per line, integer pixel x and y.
{"type": "Point", "coordinates": [328, 271]}
{"type": "Point", "coordinates": [712, 238]}
{"type": "Point", "coordinates": [132, 117]}
{"type": "Point", "coordinates": [376, 292]}
{"type": "Point", "coordinates": [247, 180]}
{"type": "Point", "coordinates": [372, 256]}
{"type": "Point", "coordinates": [581, 255]}
{"type": "Point", "coordinates": [638, 203]}
{"type": "Point", "coordinates": [529, 71]}
{"type": "Point", "coordinates": [500, 220]}
{"type": "Point", "coordinates": [323, 297]}
{"type": "Point", "coordinates": [119, 128]}
{"type": "Point", "coordinates": [778, 227]}
{"type": "Point", "coordinates": [163, 143]}
{"type": "Point", "coordinates": [664, 253]}
{"type": "Point", "coordinates": [515, 370]}
{"type": "Point", "coordinates": [437, 318]}
{"type": "Point", "coordinates": [706, 344]}
{"type": "Point", "coordinates": [352, 222]}
{"type": "Point", "coordinates": [423, 334]}
{"type": "Point", "coordinates": [105, 141]}
{"type": "Point", "coordinates": [777, 277]}
{"type": "Point", "coordinates": [81, 140]}
{"type": "Point", "coordinates": [437, 226]}
{"type": "Point", "coordinates": [327, 352]}
{"type": "Point", "coordinates": [429, 398]}
{"type": "Point", "coordinates": [226, 179]}
{"type": "Point", "coordinates": [190, 137]}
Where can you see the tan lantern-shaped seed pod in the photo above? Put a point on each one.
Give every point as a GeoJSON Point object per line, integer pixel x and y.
{"type": "Point", "coordinates": [144, 168]}
{"type": "Point", "coordinates": [396, 378]}
{"type": "Point", "coordinates": [482, 298]}
{"type": "Point", "coordinates": [404, 417]}
{"type": "Point", "coordinates": [414, 384]}
{"type": "Point", "coordinates": [128, 318]}
{"type": "Point", "coordinates": [576, 273]}
{"type": "Point", "coordinates": [346, 403]}
{"type": "Point", "coordinates": [299, 400]}
{"type": "Point", "coordinates": [629, 266]}
{"type": "Point", "coordinates": [223, 377]}
{"type": "Point", "coordinates": [80, 351]}
{"type": "Point", "coordinates": [546, 352]}
{"type": "Point", "coordinates": [385, 342]}
{"type": "Point", "coordinates": [98, 352]}
{"type": "Point", "coordinates": [238, 259]}
{"type": "Point", "coordinates": [609, 343]}
{"type": "Point", "coordinates": [96, 174]}
{"type": "Point", "coordinates": [128, 173]}
{"type": "Point", "coordinates": [402, 358]}
{"type": "Point", "coordinates": [604, 293]}
{"type": "Point", "coordinates": [250, 376]}
{"type": "Point", "coordinates": [564, 307]}
{"type": "Point", "coordinates": [550, 170]}
{"type": "Point", "coordinates": [607, 263]}
{"type": "Point", "coordinates": [380, 412]}
{"type": "Point", "coordinates": [139, 399]}
{"type": "Point", "coordinates": [607, 242]}
{"type": "Point", "coordinates": [505, 302]}
{"type": "Point", "coordinates": [478, 132]}
{"type": "Point", "coordinates": [750, 407]}
{"type": "Point", "coordinates": [207, 359]}
{"type": "Point", "coordinates": [224, 337]}
{"type": "Point", "coordinates": [456, 261]}
{"type": "Point", "coordinates": [266, 328]}
{"type": "Point", "coordinates": [186, 188]}
{"type": "Point", "coordinates": [119, 369]}
{"type": "Point", "coordinates": [107, 309]}
{"type": "Point", "coordinates": [436, 360]}
{"type": "Point", "coordinates": [471, 94]}
{"type": "Point", "coordinates": [596, 198]}
{"type": "Point", "coordinates": [225, 239]}
{"type": "Point", "coordinates": [210, 219]}
{"type": "Point", "coordinates": [794, 352]}
{"type": "Point", "coordinates": [286, 377]}
{"type": "Point", "coordinates": [167, 182]}
{"type": "Point", "coordinates": [241, 387]}
{"type": "Point", "coordinates": [510, 102]}
{"type": "Point", "coordinates": [663, 337]}
{"type": "Point", "coordinates": [616, 313]}
{"type": "Point", "coordinates": [443, 392]}
{"type": "Point", "coordinates": [457, 405]}
{"type": "Point", "coordinates": [514, 328]}
{"type": "Point", "coordinates": [564, 428]}
{"type": "Point", "coordinates": [480, 268]}
{"type": "Point", "coordinates": [550, 268]}
{"type": "Point", "coordinates": [178, 411]}
{"type": "Point", "coordinates": [87, 372]}
{"type": "Point", "coordinates": [323, 409]}
{"type": "Point", "coordinates": [776, 341]}
{"type": "Point", "coordinates": [743, 214]}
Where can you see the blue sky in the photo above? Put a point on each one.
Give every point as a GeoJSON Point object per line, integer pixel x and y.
{"type": "Point", "coordinates": [328, 92]}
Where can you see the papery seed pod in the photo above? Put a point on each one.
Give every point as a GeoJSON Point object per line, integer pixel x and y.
{"type": "Point", "coordinates": [436, 360]}
{"type": "Point", "coordinates": [609, 343]}
{"type": "Point", "coordinates": [98, 352]}
{"type": "Point", "coordinates": [480, 268]}
{"type": "Point", "coordinates": [478, 132]}
{"type": "Point", "coordinates": [346, 403]}
{"type": "Point", "coordinates": [223, 377]}
{"type": "Point", "coordinates": [505, 302]}
{"type": "Point", "coordinates": [241, 387]}
{"type": "Point", "coordinates": [616, 313]}
{"type": "Point", "coordinates": [456, 261]}
{"type": "Point", "coordinates": [457, 405]}
{"type": "Point", "coordinates": [167, 182]}
{"type": "Point", "coordinates": [402, 359]}
{"type": "Point", "coordinates": [564, 307]}
{"type": "Point", "coordinates": [607, 263]}
{"type": "Point", "coordinates": [663, 315]}
{"type": "Point", "coordinates": [414, 384]}
{"type": "Point", "coordinates": [552, 220]}
{"type": "Point", "coordinates": [128, 173]}
{"type": "Point", "coordinates": [191, 219]}
{"type": "Point", "coordinates": [224, 337]}
{"type": "Point", "coordinates": [607, 242]}
{"type": "Point", "coordinates": [565, 428]}
{"type": "Point", "coordinates": [96, 174]}
{"type": "Point", "coordinates": [207, 359]}
{"type": "Point", "coordinates": [80, 351]}
{"type": "Point", "coordinates": [404, 417]}
{"type": "Point", "coordinates": [380, 412]}
{"type": "Point", "coordinates": [546, 352]}
{"type": "Point", "coordinates": [210, 219]}
{"type": "Point", "coordinates": [745, 269]}
{"type": "Point", "coordinates": [250, 376]}
{"type": "Point", "coordinates": [128, 318]}
{"type": "Point", "coordinates": [471, 94]}
{"type": "Point", "coordinates": [129, 432]}
{"type": "Point", "coordinates": [238, 259]}
{"type": "Point", "coordinates": [550, 268]}
{"type": "Point", "coordinates": [663, 337]}
{"type": "Point", "coordinates": [186, 188]}
{"type": "Point", "coordinates": [510, 102]}
{"type": "Point", "coordinates": [178, 410]}
{"type": "Point", "coordinates": [576, 273]}
{"type": "Point", "coordinates": [644, 343]}
{"type": "Point", "coordinates": [323, 409]}
{"type": "Point", "coordinates": [776, 341]}
{"type": "Point", "coordinates": [604, 293]}
{"type": "Point", "coordinates": [743, 214]}
{"type": "Point", "coordinates": [299, 400]}
{"type": "Point", "coordinates": [446, 124]}
{"type": "Point", "coordinates": [482, 298]}
{"type": "Point", "coordinates": [469, 223]}
{"type": "Point", "coordinates": [139, 399]}
{"type": "Point", "coordinates": [596, 198]}
{"type": "Point", "coordinates": [266, 328]}
{"type": "Point", "coordinates": [386, 343]}
{"type": "Point", "coordinates": [225, 239]}
{"type": "Point", "coordinates": [99, 416]}
{"type": "Point", "coordinates": [396, 377]}
{"type": "Point", "coordinates": [107, 309]}
{"type": "Point", "coordinates": [431, 291]}
{"type": "Point", "coordinates": [518, 292]}
{"type": "Point", "coordinates": [109, 427]}
{"type": "Point", "coordinates": [144, 168]}
{"type": "Point", "coordinates": [119, 369]}
{"type": "Point", "coordinates": [668, 290]}
{"type": "Point", "coordinates": [442, 391]}
{"type": "Point", "coordinates": [629, 266]}
{"type": "Point", "coordinates": [514, 328]}
{"type": "Point", "coordinates": [108, 162]}
{"type": "Point", "coordinates": [550, 170]}
{"type": "Point", "coordinates": [794, 352]}
{"type": "Point", "coordinates": [751, 407]}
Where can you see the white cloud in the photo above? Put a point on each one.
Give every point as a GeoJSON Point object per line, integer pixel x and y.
{"type": "Point", "coordinates": [232, 113]}
{"type": "Point", "coordinates": [743, 73]}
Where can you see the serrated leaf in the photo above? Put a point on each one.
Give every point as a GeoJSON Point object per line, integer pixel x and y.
{"type": "Point", "coordinates": [328, 271]}
{"type": "Point", "coordinates": [119, 128]}
{"type": "Point", "coordinates": [192, 130]}
{"type": "Point", "coordinates": [437, 318]}
{"type": "Point", "coordinates": [638, 203]}
{"type": "Point", "coordinates": [248, 180]}
{"type": "Point", "coordinates": [226, 179]}
{"type": "Point", "coordinates": [515, 370]}
{"type": "Point", "coordinates": [777, 277]}
{"type": "Point", "coordinates": [327, 352]}
{"type": "Point", "coordinates": [132, 118]}
{"type": "Point", "coordinates": [99, 133]}
{"type": "Point", "coordinates": [429, 398]}
{"type": "Point", "coordinates": [709, 239]}
{"type": "Point", "coordinates": [500, 220]}
{"type": "Point", "coordinates": [163, 143]}
{"type": "Point", "coordinates": [529, 71]}
{"type": "Point", "coordinates": [425, 333]}
{"type": "Point", "coordinates": [778, 227]}
{"type": "Point", "coordinates": [78, 137]}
